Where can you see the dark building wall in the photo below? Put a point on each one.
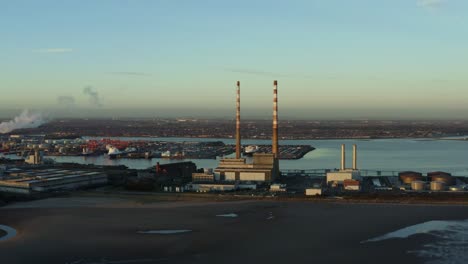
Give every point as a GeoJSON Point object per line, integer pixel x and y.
{"type": "Point", "coordinates": [176, 170]}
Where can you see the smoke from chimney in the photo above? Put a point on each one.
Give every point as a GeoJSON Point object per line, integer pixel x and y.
{"type": "Point", "coordinates": [94, 98]}
{"type": "Point", "coordinates": [24, 120]}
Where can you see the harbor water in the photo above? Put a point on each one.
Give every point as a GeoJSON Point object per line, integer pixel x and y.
{"type": "Point", "coordinates": [421, 155]}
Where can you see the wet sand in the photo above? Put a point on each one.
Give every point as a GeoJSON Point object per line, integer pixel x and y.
{"type": "Point", "coordinates": [262, 232]}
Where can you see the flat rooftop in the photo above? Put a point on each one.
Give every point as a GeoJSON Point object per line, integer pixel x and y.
{"type": "Point", "coordinates": [28, 176]}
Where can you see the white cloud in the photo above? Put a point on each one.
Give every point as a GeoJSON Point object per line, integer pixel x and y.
{"type": "Point", "coordinates": [431, 4]}
{"type": "Point", "coordinates": [54, 50]}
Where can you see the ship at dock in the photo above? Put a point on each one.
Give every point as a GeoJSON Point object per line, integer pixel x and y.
{"type": "Point", "coordinates": [116, 153]}
{"type": "Point", "coordinates": [169, 155]}
{"type": "Point", "coordinates": [87, 152]}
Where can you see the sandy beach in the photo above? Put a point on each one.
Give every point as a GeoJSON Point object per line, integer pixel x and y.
{"type": "Point", "coordinates": [84, 230]}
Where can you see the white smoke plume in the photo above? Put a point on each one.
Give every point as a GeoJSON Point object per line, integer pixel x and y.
{"type": "Point", "coordinates": [94, 98]}
{"type": "Point", "coordinates": [24, 120]}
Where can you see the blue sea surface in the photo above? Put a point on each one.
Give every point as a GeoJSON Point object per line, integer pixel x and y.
{"type": "Point", "coordinates": [421, 155]}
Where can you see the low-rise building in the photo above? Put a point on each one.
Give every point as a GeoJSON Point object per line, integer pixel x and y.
{"type": "Point", "coordinates": [219, 186]}
{"type": "Point", "coordinates": [34, 181]}
{"type": "Point", "coordinates": [203, 177]}
{"type": "Point", "coordinates": [313, 191]}
{"type": "Point", "coordinates": [246, 186]}
{"type": "Point", "coordinates": [278, 187]}
{"type": "Point", "coordinates": [209, 187]}
{"type": "Point", "coordinates": [351, 185]}
{"type": "Point", "coordinates": [340, 176]}
{"type": "Point", "coordinates": [174, 188]}
{"type": "Point", "coordinates": [181, 170]}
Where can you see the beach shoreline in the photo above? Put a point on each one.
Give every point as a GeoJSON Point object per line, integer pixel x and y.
{"type": "Point", "coordinates": [157, 197]}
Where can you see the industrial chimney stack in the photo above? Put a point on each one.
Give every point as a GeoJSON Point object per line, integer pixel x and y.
{"type": "Point", "coordinates": [354, 157]}
{"type": "Point", "coordinates": [238, 137]}
{"type": "Point", "coordinates": [343, 157]}
{"type": "Point", "coordinates": [274, 148]}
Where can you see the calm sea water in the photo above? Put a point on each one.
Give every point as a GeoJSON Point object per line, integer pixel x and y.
{"type": "Point", "coordinates": [380, 154]}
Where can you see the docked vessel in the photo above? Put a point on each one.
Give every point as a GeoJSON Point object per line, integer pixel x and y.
{"type": "Point", "coordinates": [87, 152]}
{"type": "Point", "coordinates": [115, 152]}
{"type": "Point", "coordinates": [169, 155]}
{"type": "Point", "coordinates": [166, 154]}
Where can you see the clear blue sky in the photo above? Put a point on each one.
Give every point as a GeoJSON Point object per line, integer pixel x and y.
{"type": "Point", "coordinates": [360, 58]}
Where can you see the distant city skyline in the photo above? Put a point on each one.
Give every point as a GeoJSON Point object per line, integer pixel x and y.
{"type": "Point", "coordinates": [333, 59]}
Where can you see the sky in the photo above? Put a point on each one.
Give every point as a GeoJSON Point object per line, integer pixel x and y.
{"type": "Point", "coordinates": [155, 58]}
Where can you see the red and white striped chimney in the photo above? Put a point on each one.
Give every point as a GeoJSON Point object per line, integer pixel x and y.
{"type": "Point", "coordinates": [238, 137]}
{"type": "Point", "coordinates": [274, 148]}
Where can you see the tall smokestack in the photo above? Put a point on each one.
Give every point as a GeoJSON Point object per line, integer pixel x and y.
{"type": "Point", "coordinates": [354, 157]}
{"type": "Point", "coordinates": [274, 148]}
{"type": "Point", "coordinates": [238, 137]}
{"type": "Point", "coordinates": [343, 157]}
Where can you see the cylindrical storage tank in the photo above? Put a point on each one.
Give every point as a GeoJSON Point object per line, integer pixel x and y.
{"type": "Point", "coordinates": [418, 185]}
{"type": "Point", "coordinates": [407, 177]}
{"type": "Point", "coordinates": [433, 173]}
{"type": "Point", "coordinates": [437, 186]}
{"type": "Point", "coordinates": [456, 189]}
{"type": "Point", "coordinates": [442, 177]}
{"type": "Point", "coordinates": [448, 180]}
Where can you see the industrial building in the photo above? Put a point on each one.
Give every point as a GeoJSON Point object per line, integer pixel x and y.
{"type": "Point", "coordinates": [407, 177]}
{"type": "Point", "coordinates": [264, 166]}
{"type": "Point", "coordinates": [434, 182]}
{"type": "Point", "coordinates": [219, 186]}
{"type": "Point", "coordinates": [338, 177]}
{"type": "Point", "coordinates": [278, 187]}
{"type": "Point", "coordinates": [351, 185]}
{"type": "Point", "coordinates": [313, 191]}
{"type": "Point", "coordinates": [206, 176]}
{"type": "Point", "coordinates": [209, 187]}
{"type": "Point", "coordinates": [182, 170]}
{"type": "Point", "coordinates": [440, 176]}
{"type": "Point", "coordinates": [35, 158]}
{"type": "Point", "coordinates": [30, 181]}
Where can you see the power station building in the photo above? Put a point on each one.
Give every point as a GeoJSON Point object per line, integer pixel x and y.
{"type": "Point", "coordinates": [345, 174]}
{"type": "Point", "coordinates": [264, 166]}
